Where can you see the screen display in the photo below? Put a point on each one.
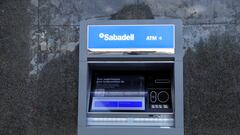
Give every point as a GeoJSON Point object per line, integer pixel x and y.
{"type": "Point", "coordinates": [131, 92]}
{"type": "Point", "coordinates": [118, 85]}
{"type": "Point", "coordinates": [118, 103]}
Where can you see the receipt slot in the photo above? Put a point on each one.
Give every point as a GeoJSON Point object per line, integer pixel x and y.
{"type": "Point", "coordinates": [131, 77]}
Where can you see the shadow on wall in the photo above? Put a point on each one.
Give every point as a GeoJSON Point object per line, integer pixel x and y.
{"type": "Point", "coordinates": [212, 87]}
{"type": "Point", "coordinates": [14, 67]}
{"type": "Point", "coordinates": [56, 100]}
{"type": "Point", "coordinates": [134, 11]}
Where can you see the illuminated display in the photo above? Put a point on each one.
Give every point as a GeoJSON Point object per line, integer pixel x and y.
{"type": "Point", "coordinates": [118, 103]}
{"type": "Point", "coordinates": [132, 38]}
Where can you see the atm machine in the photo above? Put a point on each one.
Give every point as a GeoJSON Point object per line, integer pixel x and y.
{"type": "Point", "coordinates": [131, 77]}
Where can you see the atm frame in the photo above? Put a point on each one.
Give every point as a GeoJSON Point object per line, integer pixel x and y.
{"type": "Point", "coordinates": [85, 59]}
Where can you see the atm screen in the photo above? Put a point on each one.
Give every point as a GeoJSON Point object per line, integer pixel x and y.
{"type": "Point", "coordinates": [130, 92]}
{"type": "Point", "coordinates": [118, 103]}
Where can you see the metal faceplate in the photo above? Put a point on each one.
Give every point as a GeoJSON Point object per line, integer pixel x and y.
{"type": "Point", "coordinates": [107, 112]}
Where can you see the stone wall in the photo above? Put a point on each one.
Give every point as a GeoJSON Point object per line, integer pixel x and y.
{"type": "Point", "coordinates": [39, 42]}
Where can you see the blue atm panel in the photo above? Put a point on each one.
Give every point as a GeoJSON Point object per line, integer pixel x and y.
{"type": "Point", "coordinates": [131, 38]}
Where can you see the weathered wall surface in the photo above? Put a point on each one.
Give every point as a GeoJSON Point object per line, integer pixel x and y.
{"type": "Point", "coordinates": [39, 42]}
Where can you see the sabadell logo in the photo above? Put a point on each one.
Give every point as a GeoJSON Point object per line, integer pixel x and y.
{"type": "Point", "coordinates": [111, 37]}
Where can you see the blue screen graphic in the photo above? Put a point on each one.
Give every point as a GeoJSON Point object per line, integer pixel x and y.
{"type": "Point", "coordinates": [118, 104]}
{"type": "Point", "coordinates": [131, 36]}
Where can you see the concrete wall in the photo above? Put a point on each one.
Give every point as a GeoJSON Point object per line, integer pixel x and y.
{"type": "Point", "coordinates": [39, 42]}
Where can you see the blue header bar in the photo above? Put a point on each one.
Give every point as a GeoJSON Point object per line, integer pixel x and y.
{"type": "Point", "coordinates": [132, 38]}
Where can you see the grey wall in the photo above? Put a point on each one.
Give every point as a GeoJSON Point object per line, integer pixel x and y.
{"type": "Point", "coordinates": [39, 42]}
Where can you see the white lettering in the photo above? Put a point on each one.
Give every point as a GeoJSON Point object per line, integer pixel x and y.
{"type": "Point", "coordinates": [123, 37]}
{"type": "Point", "coordinates": [151, 38]}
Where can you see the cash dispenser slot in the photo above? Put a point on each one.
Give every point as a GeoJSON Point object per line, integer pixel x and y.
{"type": "Point", "coordinates": [131, 94]}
